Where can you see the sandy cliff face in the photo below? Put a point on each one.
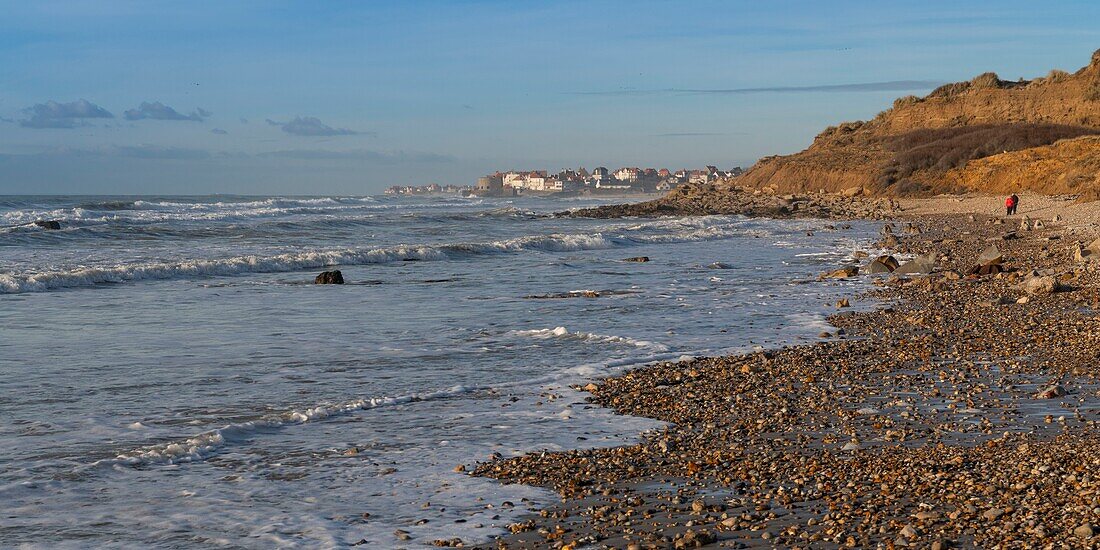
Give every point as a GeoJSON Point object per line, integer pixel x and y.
{"type": "Point", "coordinates": [898, 152]}
{"type": "Point", "coordinates": [1067, 167]}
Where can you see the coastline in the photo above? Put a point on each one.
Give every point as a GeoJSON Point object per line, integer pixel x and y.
{"type": "Point", "coordinates": [924, 423]}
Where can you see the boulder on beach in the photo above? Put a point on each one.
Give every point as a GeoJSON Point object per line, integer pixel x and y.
{"type": "Point", "coordinates": [918, 265]}
{"type": "Point", "coordinates": [884, 264]}
{"type": "Point", "coordinates": [1039, 285]}
{"type": "Point", "coordinates": [48, 224]}
{"type": "Point", "coordinates": [1088, 253]}
{"type": "Point", "coordinates": [990, 256]}
{"type": "Point", "coordinates": [842, 273]}
{"type": "Point", "coordinates": [329, 278]}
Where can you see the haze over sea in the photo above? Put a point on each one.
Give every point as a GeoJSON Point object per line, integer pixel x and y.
{"type": "Point", "coordinates": [171, 377]}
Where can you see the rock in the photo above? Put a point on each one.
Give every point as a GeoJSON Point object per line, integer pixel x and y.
{"type": "Point", "coordinates": [402, 535]}
{"type": "Point", "coordinates": [1088, 253]}
{"type": "Point", "coordinates": [48, 224]}
{"type": "Point", "coordinates": [888, 229]}
{"type": "Point", "coordinates": [719, 265]}
{"type": "Point", "coordinates": [993, 514]}
{"type": "Point", "coordinates": [991, 256]}
{"type": "Point", "coordinates": [939, 545]}
{"type": "Point", "coordinates": [1022, 300]}
{"type": "Point", "coordinates": [908, 531]}
{"type": "Point", "coordinates": [843, 302]}
{"type": "Point", "coordinates": [990, 269]}
{"type": "Point", "coordinates": [1010, 236]}
{"type": "Point", "coordinates": [1040, 285]}
{"type": "Point", "coordinates": [851, 446]}
{"type": "Point", "coordinates": [884, 264]}
{"type": "Point", "coordinates": [1050, 392]}
{"type": "Point", "coordinates": [852, 192]}
{"type": "Point", "coordinates": [698, 506]}
{"type": "Point", "coordinates": [889, 241]}
{"type": "Point", "coordinates": [920, 264]}
{"type": "Point", "coordinates": [1038, 224]}
{"type": "Point", "coordinates": [842, 273]}
{"type": "Point", "coordinates": [859, 254]}
{"type": "Point", "coordinates": [912, 229]}
{"type": "Point", "coordinates": [459, 469]}
{"type": "Point", "coordinates": [329, 278]}
{"type": "Point", "coordinates": [637, 259]}
{"type": "Point", "coordinates": [1084, 531]}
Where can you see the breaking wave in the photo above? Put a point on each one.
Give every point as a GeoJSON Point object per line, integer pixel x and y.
{"type": "Point", "coordinates": [298, 261]}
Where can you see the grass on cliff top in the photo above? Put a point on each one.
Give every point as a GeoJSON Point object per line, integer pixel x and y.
{"type": "Point", "coordinates": [938, 150]}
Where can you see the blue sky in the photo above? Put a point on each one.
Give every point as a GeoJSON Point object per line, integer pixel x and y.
{"type": "Point", "coordinates": [350, 97]}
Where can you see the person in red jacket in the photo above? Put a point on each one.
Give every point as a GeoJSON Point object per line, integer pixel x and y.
{"type": "Point", "coordinates": [1010, 204]}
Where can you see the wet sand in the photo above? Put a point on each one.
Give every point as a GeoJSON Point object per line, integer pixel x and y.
{"type": "Point", "coordinates": [958, 411]}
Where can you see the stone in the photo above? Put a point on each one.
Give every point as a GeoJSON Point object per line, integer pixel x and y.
{"type": "Point", "coordinates": [993, 514]}
{"type": "Point", "coordinates": [1084, 531]}
{"type": "Point", "coordinates": [637, 259]}
{"type": "Point", "coordinates": [1087, 253]}
{"type": "Point", "coordinates": [842, 273]}
{"type": "Point", "coordinates": [843, 302]}
{"type": "Point", "coordinates": [1050, 392]}
{"type": "Point", "coordinates": [991, 256]}
{"type": "Point", "coordinates": [1010, 236]}
{"type": "Point", "coordinates": [402, 535]}
{"type": "Point", "coordinates": [939, 545]}
{"type": "Point", "coordinates": [884, 264]}
{"type": "Point", "coordinates": [329, 278]}
{"type": "Point", "coordinates": [48, 224]}
{"type": "Point", "coordinates": [918, 265]}
{"type": "Point", "coordinates": [991, 269]}
{"type": "Point", "coordinates": [1040, 285]}
{"type": "Point", "coordinates": [859, 254]}
{"type": "Point", "coordinates": [908, 532]}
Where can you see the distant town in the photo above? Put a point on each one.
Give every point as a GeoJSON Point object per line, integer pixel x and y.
{"type": "Point", "coordinates": [574, 182]}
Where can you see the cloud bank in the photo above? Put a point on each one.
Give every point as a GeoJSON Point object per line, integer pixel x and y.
{"type": "Point", "coordinates": [160, 111]}
{"type": "Point", "coordinates": [310, 126]}
{"type": "Point", "coordinates": [52, 114]}
{"type": "Point", "coordinates": [888, 86]}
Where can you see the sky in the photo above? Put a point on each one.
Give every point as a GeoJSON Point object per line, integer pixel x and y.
{"type": "Point", "coordinates": [272, 97]}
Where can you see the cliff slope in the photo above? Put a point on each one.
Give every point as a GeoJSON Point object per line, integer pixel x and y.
{"type": "Point", "coordinates": [913, 146]}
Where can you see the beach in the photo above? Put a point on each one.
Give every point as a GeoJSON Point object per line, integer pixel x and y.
{"type": "Point", "coordinates": [955, 410]}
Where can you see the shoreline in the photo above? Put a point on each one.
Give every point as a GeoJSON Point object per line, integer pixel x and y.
{"type": "Point", "coordinates": [911, 428]}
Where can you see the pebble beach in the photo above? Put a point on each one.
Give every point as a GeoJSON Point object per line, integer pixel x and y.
{"type": "Point", "coordinates": [956, 410]}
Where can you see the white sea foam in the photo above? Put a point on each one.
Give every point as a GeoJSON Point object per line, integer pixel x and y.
{"type": "Point", "coordinates": [564, 333]}
{"type": "Point", "coordinates": [201, 446]}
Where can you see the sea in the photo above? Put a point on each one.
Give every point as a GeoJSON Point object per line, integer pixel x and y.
{"type": "Point", "coordinates": [171, 377]}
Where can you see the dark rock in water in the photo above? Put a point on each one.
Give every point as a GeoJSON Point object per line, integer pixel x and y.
{"type": "Point", "coordinates": [638, 259]}
{"type": "Point", "coordinates": [329, 278]}
{"type": "Point", "coordinates": [884, 264]}
{"type": "Point", "coordinates": [719, 265]}
{"type": "Point", "coordinates": [48, 224]}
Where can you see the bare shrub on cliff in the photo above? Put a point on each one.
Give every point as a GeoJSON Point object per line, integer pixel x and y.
{"type": "Point", "coordinates": [986, 80]}
{"type": "Point", "coordinates": [1092, 92]}
{"type": "Point", "coordinates": [941, 149]}
{"type": "Point", "coordinates": [906, 101]}
{"type": "Point", "coordinates": [952, 89]}
{"type": "Point", "coordinates": [1056, 75]}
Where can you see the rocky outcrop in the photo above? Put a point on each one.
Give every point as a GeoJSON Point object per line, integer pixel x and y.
{"type": "Point", "coordinates": [985, 134]}
{"type": "Point", "coordinates": [48, 224]}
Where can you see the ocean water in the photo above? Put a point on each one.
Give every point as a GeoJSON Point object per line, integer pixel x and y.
{"type": "Point", "coordinates": [169, 377]}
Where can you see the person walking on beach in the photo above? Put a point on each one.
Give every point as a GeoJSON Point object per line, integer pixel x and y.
{"type": "Point", "coordinates": [1010, 204]}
